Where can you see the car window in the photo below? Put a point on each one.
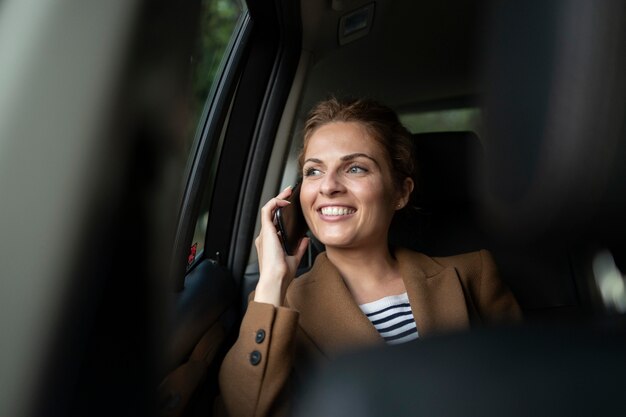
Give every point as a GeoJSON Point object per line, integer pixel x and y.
{"type": "Point", "coordinates": [219, 24]}
{"type": "Point", "coordinates": [448, 120]}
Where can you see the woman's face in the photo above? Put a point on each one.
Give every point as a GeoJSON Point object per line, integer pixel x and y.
{"type": "Point", "coordinates": [347, 195]}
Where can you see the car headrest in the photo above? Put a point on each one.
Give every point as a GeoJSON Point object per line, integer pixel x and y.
{"type": "Point", "coordinates": [442, 221]}
{"type": "Point", "coordinates": [447, 163]}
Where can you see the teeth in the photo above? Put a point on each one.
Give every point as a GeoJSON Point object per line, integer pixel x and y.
{"type": "Point", "coordinates": [337, 211]}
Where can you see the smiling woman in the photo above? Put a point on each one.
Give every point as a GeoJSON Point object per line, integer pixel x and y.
{"type": "Point", "coordinates": [347, 193]}
{"type": "Point", "coordinates": [357, 172]}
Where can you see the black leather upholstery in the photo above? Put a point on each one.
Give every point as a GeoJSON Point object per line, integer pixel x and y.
{"type": "Point", "coordinates": [442, 220]}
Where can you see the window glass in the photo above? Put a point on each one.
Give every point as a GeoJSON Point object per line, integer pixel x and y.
{"type": "Point", "coordinates": [448, 120]}
{"type": "Point", "coordinates": [219, 23]}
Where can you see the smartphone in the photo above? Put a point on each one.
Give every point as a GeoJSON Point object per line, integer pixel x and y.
{"type": "Point", "coordinates": [290, 223]}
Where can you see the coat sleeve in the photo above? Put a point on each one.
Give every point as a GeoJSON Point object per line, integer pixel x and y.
{"type": "Point", "coordinates": [257, 367]}
{"type": "Point", "coordinates": [493, 299]}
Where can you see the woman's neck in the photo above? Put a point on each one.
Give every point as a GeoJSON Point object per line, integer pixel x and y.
{"type": "Point", "coordinates": [369, 274]}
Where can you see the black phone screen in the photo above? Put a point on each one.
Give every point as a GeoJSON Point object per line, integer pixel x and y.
{"type": "Point", "coordinates": [290, 222]}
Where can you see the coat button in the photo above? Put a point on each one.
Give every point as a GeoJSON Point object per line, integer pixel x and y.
{"type": "Point", "coordinates": [260, 336]}
{"type": "Point", "coordinates": [255, 357]}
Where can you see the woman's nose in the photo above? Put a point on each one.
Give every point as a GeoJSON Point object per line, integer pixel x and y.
{"type": "Point", "coordinates": [331, 184]}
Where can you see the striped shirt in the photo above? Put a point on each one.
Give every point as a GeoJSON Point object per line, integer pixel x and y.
{"type": "Point", "coordinates": [393, 318]}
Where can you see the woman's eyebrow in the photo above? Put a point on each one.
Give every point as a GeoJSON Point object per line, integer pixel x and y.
{"type": "Point", "coordinates": [344, 158]}
{"type": "Point", "coordinates": [358, 155]}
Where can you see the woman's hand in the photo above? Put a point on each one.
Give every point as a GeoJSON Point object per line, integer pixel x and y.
{"type": "Point", "coordinates": [277, 269]}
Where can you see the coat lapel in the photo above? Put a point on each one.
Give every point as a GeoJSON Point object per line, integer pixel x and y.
{"type": "Point", "coordinates": [435, 293]}
{"type": "Point", "coordinates": [328, 314]}
{"type": "Point", "coordinates": [333, 321]}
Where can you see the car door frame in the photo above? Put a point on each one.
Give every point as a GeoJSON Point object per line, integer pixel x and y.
{"type": "Point", "coordinates": [240, 125]}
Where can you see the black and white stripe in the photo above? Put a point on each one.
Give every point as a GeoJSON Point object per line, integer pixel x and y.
{"type": "Point", "coordinates": [393, 318]}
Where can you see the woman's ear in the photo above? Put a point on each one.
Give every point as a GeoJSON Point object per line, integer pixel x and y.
{"type": "Point", "coordinates": [405, 193]}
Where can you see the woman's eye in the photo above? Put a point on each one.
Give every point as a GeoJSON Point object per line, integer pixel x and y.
{"type": "Point", "coordinates": [308, 172]}
{"type": "Point", "coordinates": [355, 169]}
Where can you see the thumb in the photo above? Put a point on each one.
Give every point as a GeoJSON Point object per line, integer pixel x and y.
{"type": "Point", "coordinates": [302, 246]}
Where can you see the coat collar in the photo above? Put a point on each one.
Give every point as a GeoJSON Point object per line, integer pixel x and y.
{"type": "Point", "coordinates": [331, 318]}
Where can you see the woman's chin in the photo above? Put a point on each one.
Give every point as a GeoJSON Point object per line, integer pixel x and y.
{"type": "Point", "coordinates": [351, 241]}
{"type": "Point", "coordinates": [335, 241]}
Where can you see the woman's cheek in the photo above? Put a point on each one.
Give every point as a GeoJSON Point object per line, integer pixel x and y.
{"type": "Point", "coordinates": [306, 200]}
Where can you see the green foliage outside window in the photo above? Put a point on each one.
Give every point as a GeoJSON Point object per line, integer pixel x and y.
{"type": "Point", "coordinates": [218, 21]}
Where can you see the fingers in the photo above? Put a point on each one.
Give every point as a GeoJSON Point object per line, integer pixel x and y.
{"type": "Point", "coordinates": [304, 244]}
{"type": "Point", "coordinates": [268, 233]}
{"type": "Point", "coordinates": [284, 194]}
{"type": "Point", "coordinates": [302, 247]}
{"type": "Point", "coordinates": [280, 200]}
{"type": "Point", "coordinates": [267, 241]}
{"type": "Point", "coordinates": [267, 211]}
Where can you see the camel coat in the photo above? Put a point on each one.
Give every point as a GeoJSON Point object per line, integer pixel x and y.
{"type": "Point", "coordinates": [320, 320]}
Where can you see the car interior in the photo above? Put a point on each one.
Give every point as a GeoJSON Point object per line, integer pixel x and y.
{"type": "Point", "coordinates": [430, 61]}
{"type": "Point", "coordinates": [191, 119]}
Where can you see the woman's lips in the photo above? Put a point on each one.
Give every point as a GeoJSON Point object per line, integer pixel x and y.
{"type": "Point", "coordinates": [336, 211]}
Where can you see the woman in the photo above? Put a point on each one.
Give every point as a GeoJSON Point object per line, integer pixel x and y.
{"type": "Point", "coordinates": [357, 173]}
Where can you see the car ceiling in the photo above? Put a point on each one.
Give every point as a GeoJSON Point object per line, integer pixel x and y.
{"type": "Point", "coordinates": [416, 53]}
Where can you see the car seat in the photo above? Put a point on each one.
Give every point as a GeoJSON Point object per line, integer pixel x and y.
{"type": "Point", "coordinates": [446, 219]}
{"type": "Point", "coordinates": [441, 219]}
